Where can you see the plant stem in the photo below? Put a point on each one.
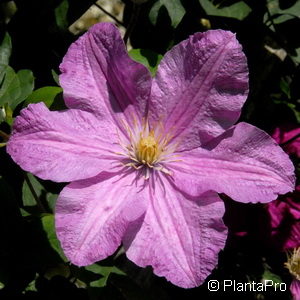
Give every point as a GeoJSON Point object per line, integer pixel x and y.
{"type": "Point", "coordinates": [4, 135]}
{"type": "Point", "coordinates": [109, 14]}
{"type": "Point", "coordinates": [34, 194]}
{"type": "Point", "coordinates": [134, 16]}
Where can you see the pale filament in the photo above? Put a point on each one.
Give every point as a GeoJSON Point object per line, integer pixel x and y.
{"type": "Point", "coordinates": [147, 148]}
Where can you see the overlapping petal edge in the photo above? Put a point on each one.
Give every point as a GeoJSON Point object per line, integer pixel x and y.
{"type": "Point", "coordinates": [173, 219]}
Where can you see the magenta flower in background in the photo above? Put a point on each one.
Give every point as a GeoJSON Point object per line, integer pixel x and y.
{"type": "Point", "coordinates": [288, 136]}
{"type": "Point", "coordinates": [146, 157]}
{"type": "Point", "coordinates": [284, 213]}
{"type": "Point", "coordinates": [295, 289]}
{"type": "Point", "coordinates": [284, 221]}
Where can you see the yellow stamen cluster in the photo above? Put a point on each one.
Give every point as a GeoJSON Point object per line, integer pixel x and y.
{"type": "Point", "coordinates": [293, 263]}
{"type": "Point", "coordinates": [147, 150]}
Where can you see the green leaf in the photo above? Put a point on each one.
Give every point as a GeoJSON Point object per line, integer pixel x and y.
{"type": "Point", "coordinates": [2, 114]}
{"type": "Point", "coordinates": [239, 10]}
{"type": "Point", "coordinates": [105, 271]}
{"type": "Point", "coordinates": [55, 77]}
{"type": "Point", "coordinates": [296, 58]}
{"type": "Point", "coordinates": [51, 200]}
{"type": "Point", "coordinates": [5, 50]}
{"type": "Point", "coordinates": [15, 87]}
{"type": "Point", "coordinates": [293, 107]}
{"type": "Point", "coordinates": [268, 275]}
{"type": "Point", "coordinates": [61, 12]}
{"type": "Point", "coordinates": [45, 94]}
{"type": "Point", "coordinates": [146, 57]}
{"type": "Point", "coordinates": [49, 228]}
{"type": "Point", "coordinates": [26, 80]}
{"type": "Point", "coordinates": [281, 15]}
{"type": "Point", "coordinates": [285, 87]}
{"type": "Point", "coordinates": [175, 10]}
{"type": "Point", "coordinates": [24, 212]}
{"type": "Point", "coordinates": [153, 14]}
{"type": "Point", "coordinates": [10, 86]}
{"type": "Point", "coordinates": [27, 196]}
{"type": "Point", "coordinates": [8, 115]}
{"type": "Point", "coordinates": [295, 110]}
{"type": "Point", "coordinates": [31, 286]}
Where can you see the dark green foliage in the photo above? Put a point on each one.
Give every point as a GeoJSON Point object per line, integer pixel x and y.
{"type": "Point", "coordinates": [32, 45]}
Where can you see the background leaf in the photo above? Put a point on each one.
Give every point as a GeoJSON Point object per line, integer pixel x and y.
{"type": "Point", "coordinates": [281, 15]}
{"type": "Point", "coordinates": [55, 77]}
{"type": "Point", "coordinates": [45, 94]}
{"type": "Point", "coordinates": [27, 196]}
{"type": "Point", "coordinates": [239, 10]}
{"type": "Point", "coordinates": [26, 80]}
{"type": "Point", "coordinates": [146, 57]}
{"type": "Point", "coordinates": [45, 197]}
{"type": "Point", "coordinates": [61, 12]}
{"type": "Point", "coordinates": [32, 265]}
{"type": "Point", "coordinates": [5, 50]}
{"type": "Point", "coordinates": [175, 10]}
{"type": "Point", "coordinates": [10, 86]}
{"type": "Point", "coordinates": [15, 87]}
{"type": "Point", "coordinates": [49, 228]}
{"type": "Point", "coordinates": [104, 271]}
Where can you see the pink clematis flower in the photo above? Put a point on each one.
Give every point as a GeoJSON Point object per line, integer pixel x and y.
{"type": "Point", "coordinates": [146, 157]}
{"type": "Point", "coordinates": [277, 223]}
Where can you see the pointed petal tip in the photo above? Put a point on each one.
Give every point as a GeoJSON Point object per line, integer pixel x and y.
{"type": "Point", "coordinates": [218, 36]}
{"type": "Point", "coordinates": [254, 167]}
{"type": "Point", "coordinates": [99, 76]}
{"type": "Point", "coordinates": [200, 87]}
{"type": "Point", "coordinates": [183, 236]}
{"type": "Point", "coordinates": [54, 145]}
{"type": "Point", "coordinates": [92, 215]}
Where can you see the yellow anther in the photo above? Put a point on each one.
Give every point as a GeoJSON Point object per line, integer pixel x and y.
{"type": "Point", "coordinates": [147, 149]}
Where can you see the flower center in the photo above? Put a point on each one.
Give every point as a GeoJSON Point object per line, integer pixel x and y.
{"type": "Point", "coordinates": [147, 150]}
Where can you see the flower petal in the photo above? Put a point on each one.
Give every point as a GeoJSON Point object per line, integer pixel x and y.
{"type": "Point", "coordinates": [92, 215]}
{"type": "Point", "coordinates": [245, 163]}
{"type": "Point", "coordinates": [200, 87]}
{"type": "Point", "coordinates": [98, 75]}
{"type": "Point", "coordinates": [180, 237]}
{"type": "Point", "coordinates": [61, 145]}
{"type": "Point", "coordinates": [295, 289]}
